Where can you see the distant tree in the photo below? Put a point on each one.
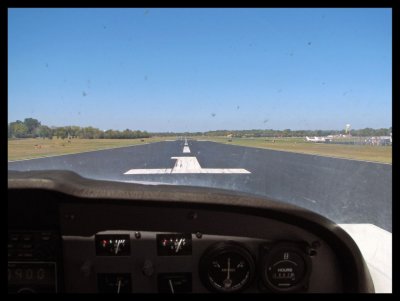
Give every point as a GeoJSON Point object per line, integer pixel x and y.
{"type": "Point", "coordinates": [31, 125]}
{"type": "Point", "coordinates": [61, 132]}
{"type": "Point", "coordinates": [74, 131]}
{"type": "Point", "coordinates": [286, 132]}
{"type": "Point", "coordinates": [18, 129]}
{"type": "Point", "coordinates": [382, 132]}
{"type": "Point", "coordinates": [45, 132]}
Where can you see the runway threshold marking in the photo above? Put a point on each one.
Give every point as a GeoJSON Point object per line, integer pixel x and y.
{"type": "Point", "coordinates": [186, 165]}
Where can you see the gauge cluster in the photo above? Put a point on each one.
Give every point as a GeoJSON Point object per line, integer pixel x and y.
{"type": "Point", "coordinates": [145, 261]}
{"type": "Point", "coordinates": [229, 267]}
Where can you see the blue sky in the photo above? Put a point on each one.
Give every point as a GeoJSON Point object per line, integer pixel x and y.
{"type": "Point", "coordinates": [201, 69]}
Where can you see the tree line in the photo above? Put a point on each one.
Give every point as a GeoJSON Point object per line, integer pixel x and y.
{"type": "Point", "coordinates": [367, 132]}
{"type": "Point", "coordinates": [32, 128]}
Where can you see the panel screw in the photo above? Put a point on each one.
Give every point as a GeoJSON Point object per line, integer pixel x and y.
{"type": "Point", "coordinates": [312, 252]}
{"type": "Point", "coordinates": [138, 235]}
{"type": "Point", "coordinates": [199, 235]}
{"type": "Point", "coordinates": [192, 215]}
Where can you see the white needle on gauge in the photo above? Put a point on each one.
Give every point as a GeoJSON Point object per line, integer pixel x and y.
{"type": "Point", "coordinates": [116, 249]}
{"type": "Point", "coordinates": [171, 286]}
{"type": "Point", "coordinates": [119, 286]}
{"type": "Point", "coordinates": [228, 281]}
{"type": "Point", "coordinates": [179, 245]}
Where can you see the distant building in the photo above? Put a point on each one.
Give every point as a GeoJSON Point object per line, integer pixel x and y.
{"type": "Point", "coordinates": [381, 140]}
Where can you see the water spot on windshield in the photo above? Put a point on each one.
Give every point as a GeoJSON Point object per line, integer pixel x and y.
{"type": "Point", "coordinates": [213, 114]}
{"type": "Point", "coordinates": [346, 92]}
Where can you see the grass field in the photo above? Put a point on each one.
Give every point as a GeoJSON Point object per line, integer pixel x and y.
{"type": "Point", "coordinates": [381, 154]}
{"type": "Point", "coordinates": [19, 149]}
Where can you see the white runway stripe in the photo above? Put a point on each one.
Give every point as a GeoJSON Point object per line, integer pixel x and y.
{"type": "Point", "coordinates": [187, 165]}
{"type": "Point", "coordinates": [225, 170]}
{"type": "Point", "coordinates": [183, 164]}
{"type": "Point", "coordinates": [186, 149]}
{"type": "Point", "coordinates": [148, 171]}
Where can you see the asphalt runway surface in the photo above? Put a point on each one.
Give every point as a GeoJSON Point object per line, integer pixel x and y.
{"type": "Point", "coordinates": [345, 191]}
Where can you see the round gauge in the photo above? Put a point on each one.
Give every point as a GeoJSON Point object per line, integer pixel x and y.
{"type": "Point", "coordinates": [226, 267]}
{"type": "Point", "coordinates": [286, 268]}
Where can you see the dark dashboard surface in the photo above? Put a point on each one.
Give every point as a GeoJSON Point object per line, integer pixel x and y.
{"type": "Point", "coordinates": [75, 235]}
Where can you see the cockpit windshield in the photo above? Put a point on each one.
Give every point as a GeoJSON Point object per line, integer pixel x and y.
{"type": "Point", "coordinates": [293, 104]}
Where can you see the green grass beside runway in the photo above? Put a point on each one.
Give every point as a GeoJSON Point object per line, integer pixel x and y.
{"type": "Point", "coordinates": [30, 148]}
{"type": "Point", "coordinates": [19, 149]}
{"type": "Point", "coordinates": [381, 154]}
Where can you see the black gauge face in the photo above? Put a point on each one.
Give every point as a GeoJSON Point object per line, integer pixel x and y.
{"type": "Point", "coordinates": [227, 268]}
{"type": "Point", "coordinates": [114, 283]}
{"type": "Point", "coordinates": [174, 244]}
{"type": "Point", "coordinates": [286, 268]}
{"type": "Point", "coordinates": [173, 283]}
{"type": "Point", "coordinates": [112, 245]}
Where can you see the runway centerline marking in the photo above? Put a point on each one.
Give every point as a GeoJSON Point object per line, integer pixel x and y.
{"type": "Point", "coordinates": [186, 165]}
{"type": "Point", "coordinates": [186, 150]}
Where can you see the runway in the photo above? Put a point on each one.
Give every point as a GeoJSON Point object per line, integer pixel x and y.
{"type": "Point", "coordinates": [345, 191]}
